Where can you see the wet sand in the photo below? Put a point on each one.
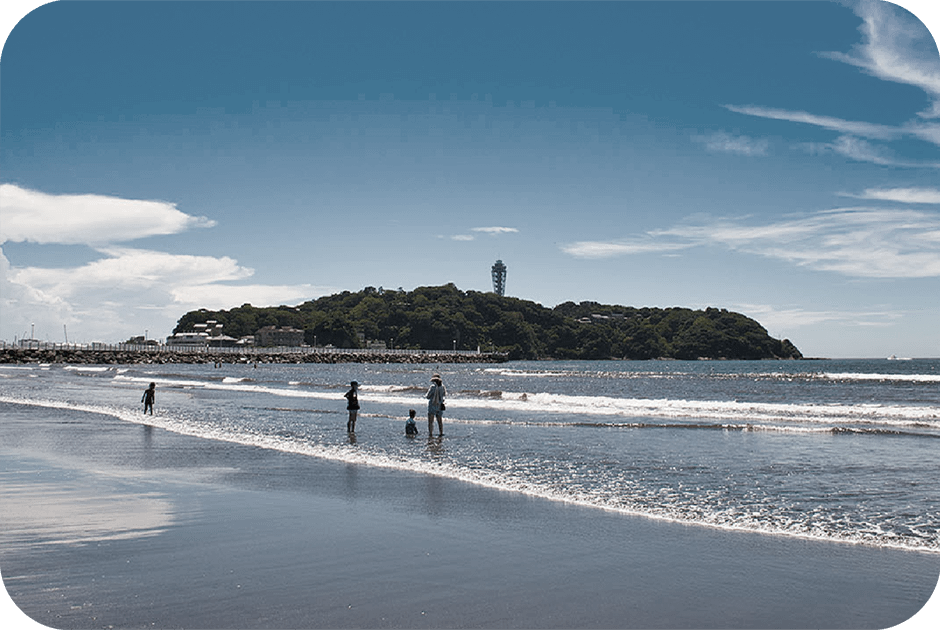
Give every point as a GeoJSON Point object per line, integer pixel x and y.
{"type": "Point", "coordinates": [109, 524]}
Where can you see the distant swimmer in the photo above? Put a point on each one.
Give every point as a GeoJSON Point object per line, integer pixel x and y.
{"type": "Point", "coordinates": [352, 397]}
{"type": "Point", "coordinates": [411, 429]}
{"type": "Point", "coordinates": [435, 398]}
{"type": "Point", "coordinates": [148, 396]}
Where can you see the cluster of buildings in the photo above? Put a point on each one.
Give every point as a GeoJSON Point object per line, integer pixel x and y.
{"type": "Point", "coordinates": [210, 335]}
{"type": "Point", "coordinates": [596, 317]}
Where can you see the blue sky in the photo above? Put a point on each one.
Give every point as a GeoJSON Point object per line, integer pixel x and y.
{"type": "Point", "coordinates": [777, 159]}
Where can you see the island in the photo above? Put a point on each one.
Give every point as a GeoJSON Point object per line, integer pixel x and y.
{"type": "Point", "coordinates": [438, 318]}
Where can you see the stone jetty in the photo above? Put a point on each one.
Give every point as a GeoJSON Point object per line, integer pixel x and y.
{"type": "Point", "coordinates": [105, 357]}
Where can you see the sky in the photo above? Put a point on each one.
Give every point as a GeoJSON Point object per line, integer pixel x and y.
{"type": "Point", "coordinates": [778, 159]}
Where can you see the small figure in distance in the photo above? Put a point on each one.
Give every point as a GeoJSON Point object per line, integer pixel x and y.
{"type": "Point", "coordinates": [411, 429]}
{"type": "Point", "coordinates": [148, 397]}
{"type": "Point", "coordinates": [352, 396]}
{"type": "Point", "coordinates": [435, 398]}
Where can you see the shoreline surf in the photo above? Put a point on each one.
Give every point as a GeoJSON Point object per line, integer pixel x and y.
{"type": "Point", "coordinates": [485, 479]}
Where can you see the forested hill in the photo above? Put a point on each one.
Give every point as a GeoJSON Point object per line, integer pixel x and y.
{"type": "Point", "coordinates": [434, 318]}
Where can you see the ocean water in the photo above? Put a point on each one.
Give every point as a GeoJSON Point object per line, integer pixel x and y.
{"type": "Point", "coordinates": [838, 450]}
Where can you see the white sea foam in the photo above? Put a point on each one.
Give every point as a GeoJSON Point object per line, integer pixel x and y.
{"type": "Point", "coordinates": [675, 507]}
{"type": "Point", "coordinates": [776, 375]}
{"type": "Point", "coordinates": [578, 407]}
{"type": "Point", "coordinates": [911, 378]}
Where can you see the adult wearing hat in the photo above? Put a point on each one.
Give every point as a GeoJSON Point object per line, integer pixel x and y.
{"type": "Point", "coordinates": [435, 398]}
{"type": "Point", "coordinates": [352, 404]}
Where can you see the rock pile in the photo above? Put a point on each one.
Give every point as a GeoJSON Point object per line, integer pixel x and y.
{"type": "Point", "coordinates": [101, 357]}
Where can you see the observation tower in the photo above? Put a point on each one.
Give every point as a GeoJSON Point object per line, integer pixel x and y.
{"type": "Point", "coordinates": [499, 278]}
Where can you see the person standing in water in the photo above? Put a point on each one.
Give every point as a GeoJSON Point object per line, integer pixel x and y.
{"type": "Point", "coordinates": [148, 397]}
{"type": "Point", "coordinates": [435, 398]}
{"type": "Point", "coordinates": [352, 404]}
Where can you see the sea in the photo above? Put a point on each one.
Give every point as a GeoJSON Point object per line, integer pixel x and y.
{"type": "Point", "coordinates": [836, 450]}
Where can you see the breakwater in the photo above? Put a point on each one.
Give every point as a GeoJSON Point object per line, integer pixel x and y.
{"type": "Point", "coordinates": [118, 355]}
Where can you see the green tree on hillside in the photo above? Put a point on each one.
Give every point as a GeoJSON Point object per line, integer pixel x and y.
{"type": "Point", "coordinates": [437, 318]}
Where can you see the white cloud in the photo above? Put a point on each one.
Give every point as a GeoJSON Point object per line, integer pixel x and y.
{"type": "Point", "coordinates": [36, 217]}
{"type": "Point", "coordinates": [787, 319]}
{"type": "Point", "coordinates": [462, 237]}
{"type": "Point", "coordinates": [901, 195]}
{"type": "Point", "coordinates": [131, 269]}
{"type": "Point", "coordinates": [863, 151]}
{"type": "Point", "coordinates": [864, 129]}
{"type": "Point", "coordinates": [928, 132]}
{"type": "Point", "coordinates": [895, 47]}
{"type": "Point", "coordinates": [495, 230]}
{"type": "Point", "coordinates": [724, 142]}
{"type": "Point", "coordinates": [608, 249]}
{"type": "Point", "coordinates": [857, 242]}
{"type": "Point", "coordinates": [128, 291]}
{"type": "Point", "coordinates": [857, 149]}
{"type": "Point", "coordinates": [21, 304]}
{"type": "Point", "coordinates": [220, 296]}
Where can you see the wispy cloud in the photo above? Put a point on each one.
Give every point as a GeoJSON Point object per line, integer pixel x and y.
{"type": "Point", "coordinates": [901, 195]}
{"type": "Point", "coordinates": [857, 128]}
{"type": "Point", "coordinates": [462, 237]}
{"type": "Point", "coordinates": [495, 230]}
{"type": "Point", "coordinates": [787, 319]}
{"type": "Point", "coordinates": [37, 217]}
{"type": "Point", "coordinates": [221, 296]}
{"type": "Point", "coordinates": [623, 247]}
{"type": "Point", "coordinates": [895, 47]}
{"type": "Point", "coordinates": [863, 151]}
{"type": "Point", "coordinates": [857, 242]}
{"type": "Point", "coordinates": [724, 142]}
{"type": "Point", "coordinates": [926, 131]}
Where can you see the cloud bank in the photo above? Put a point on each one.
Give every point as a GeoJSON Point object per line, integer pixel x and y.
{"type": "Point", "coordinates": [32, 216]}
{"type": "Point", "coordinates": [125, 291]}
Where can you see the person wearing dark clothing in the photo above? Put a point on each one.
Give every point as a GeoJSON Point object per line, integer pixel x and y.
{"type": "Point", "coordinates": [148, 396]}
{"type": "Point", "coordinates": [352, 405]}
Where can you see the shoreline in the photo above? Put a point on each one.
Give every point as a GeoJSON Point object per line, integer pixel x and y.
{"type": "Point", "coordinates": [181, 531]}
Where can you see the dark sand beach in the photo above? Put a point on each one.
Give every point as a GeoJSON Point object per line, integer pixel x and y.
{"type": "Point", "coordinates": [110, 524]}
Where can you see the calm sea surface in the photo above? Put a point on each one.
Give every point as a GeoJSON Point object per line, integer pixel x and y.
{"type": "Point", "coordinates": [842, 450]}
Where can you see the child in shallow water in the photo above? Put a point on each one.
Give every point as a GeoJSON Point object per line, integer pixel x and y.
{"type": "Point", "coordinates": [148, 397]}
{"type": "Point", "coordinates": [411, 429]}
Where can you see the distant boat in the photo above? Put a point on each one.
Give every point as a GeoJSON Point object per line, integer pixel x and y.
{"type": "Point", "coordinates": [894, 357]}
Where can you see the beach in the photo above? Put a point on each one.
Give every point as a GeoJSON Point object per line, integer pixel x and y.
{"type": "Point", "coordinates": [106, 523]}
